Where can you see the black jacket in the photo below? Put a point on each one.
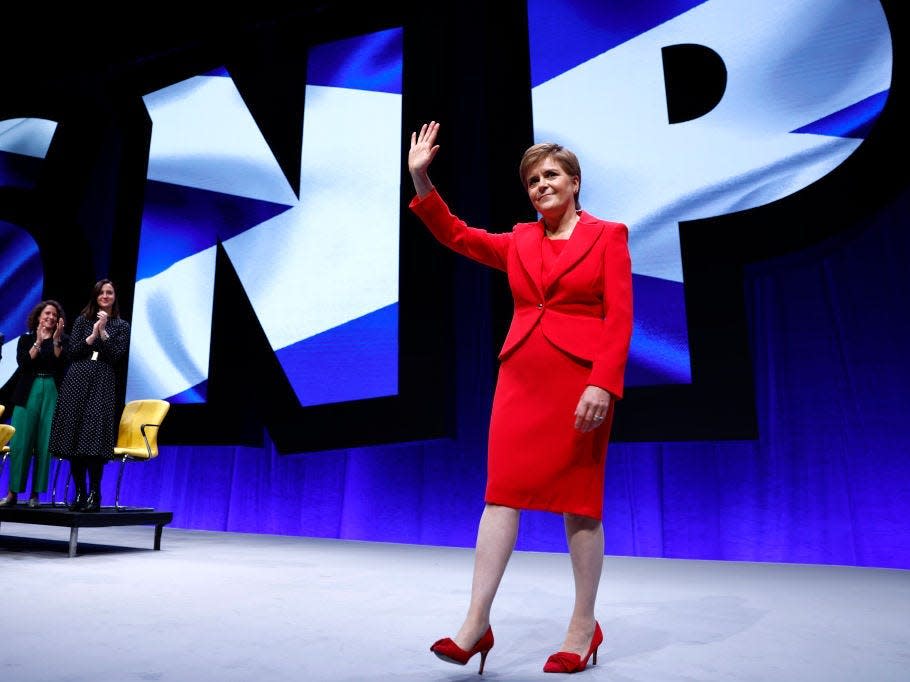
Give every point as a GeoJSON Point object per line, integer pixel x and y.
{"type": "Point", "coordinates": [44, 363]}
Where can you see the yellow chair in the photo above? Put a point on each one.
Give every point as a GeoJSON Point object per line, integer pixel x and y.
{"type": "Point", "coordinates": [6, 432]}
{"type": "Point", "coordinates": [137, 437]}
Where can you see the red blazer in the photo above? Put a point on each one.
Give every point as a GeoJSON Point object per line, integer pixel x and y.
{"type": "Point", "coordinates": [583, 306]}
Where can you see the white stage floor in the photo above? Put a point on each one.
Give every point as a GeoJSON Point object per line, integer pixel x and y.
{"type": "Point", "coordinates": [227, 606]}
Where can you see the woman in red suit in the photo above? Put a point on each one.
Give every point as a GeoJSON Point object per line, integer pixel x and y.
{"type": "Point", "coordinates": [561, 370]}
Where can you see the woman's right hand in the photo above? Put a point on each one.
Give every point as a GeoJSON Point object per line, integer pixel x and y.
{"type": "Point", "coordinates": [420, 156]}
{"type": "Point", "coordinates": [97, 328]}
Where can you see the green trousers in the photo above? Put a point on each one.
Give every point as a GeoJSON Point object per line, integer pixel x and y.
{"type": "Point", "coordinates": [33, 431]}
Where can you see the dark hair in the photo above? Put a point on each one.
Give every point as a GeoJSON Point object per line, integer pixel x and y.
{"type": "Point", "coordinates": [90, 311]}
{"type": "Point", "coordinates": [32, 320]}
{"type": "Point", "coordinates": [564, 157]}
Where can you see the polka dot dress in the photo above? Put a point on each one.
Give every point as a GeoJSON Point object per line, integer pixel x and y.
{"type": "Point", "coordinates": [85, 419]}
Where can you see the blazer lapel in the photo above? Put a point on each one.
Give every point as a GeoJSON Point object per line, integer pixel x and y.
{"type": "Point", "coordinates": [527, 244]}
{"type": "Point", "coordinates": [583, 237]}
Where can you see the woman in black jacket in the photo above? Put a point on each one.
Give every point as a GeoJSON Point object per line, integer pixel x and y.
{"type": "Point", "coordinates": [41, 364]}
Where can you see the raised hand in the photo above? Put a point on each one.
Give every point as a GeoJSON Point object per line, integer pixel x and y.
{"type": "Point", "coordinates": [420, 156]}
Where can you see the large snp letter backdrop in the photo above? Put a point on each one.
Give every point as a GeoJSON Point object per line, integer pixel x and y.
{"type": "Point", "coordinates": [331, 367]}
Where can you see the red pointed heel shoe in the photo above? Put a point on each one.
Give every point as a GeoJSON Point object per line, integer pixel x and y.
{"type": "Point", "coordinates": [449, 651]}
{"type": "Point", "coordinates": [567, 662]}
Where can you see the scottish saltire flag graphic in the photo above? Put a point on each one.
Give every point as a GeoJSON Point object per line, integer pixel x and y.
{"type": "Point", "coordinates": [320, 269]}
{"type": "Point", "coordinates": [805, 80]}
{"type": "Point", "coordinates": [23, 145]}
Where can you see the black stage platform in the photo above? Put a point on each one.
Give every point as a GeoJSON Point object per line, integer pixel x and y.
{"type": "Point", "coordinates": [59, 515]}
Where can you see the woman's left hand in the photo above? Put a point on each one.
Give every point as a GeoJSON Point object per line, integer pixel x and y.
{"type": "Point", "coordinates": [592, 408]}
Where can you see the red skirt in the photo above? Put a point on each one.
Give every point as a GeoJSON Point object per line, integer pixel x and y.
{"type": "Point", "coordinates": [536, 458]}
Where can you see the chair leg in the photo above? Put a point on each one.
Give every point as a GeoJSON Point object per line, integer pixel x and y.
{"type": "Point", "coordinates": [66, 488]}
{"type": "Point", "coordinates": [119, 479]}
{"type": "Point", "coordinates": [59, 464]}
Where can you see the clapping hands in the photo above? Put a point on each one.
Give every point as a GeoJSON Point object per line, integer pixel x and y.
{"type": "Point", "coordinates": [98, 329]}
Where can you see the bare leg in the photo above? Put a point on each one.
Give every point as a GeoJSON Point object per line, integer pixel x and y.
{"type": "Point", "coordinates": [495, 540]}
{"type": "Point", "coordinates": [586, 547]}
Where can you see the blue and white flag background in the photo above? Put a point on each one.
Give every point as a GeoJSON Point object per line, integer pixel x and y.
{"type": "Point", "coordinates": [23, 145]}
{"type": "Point", "coordinates": [805, 80]}
{"type": "Point", "coordinates": [320, 269]}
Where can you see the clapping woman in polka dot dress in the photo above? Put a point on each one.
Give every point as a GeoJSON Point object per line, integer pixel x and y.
{"type": "Point", "coordinates": [85, 422]}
